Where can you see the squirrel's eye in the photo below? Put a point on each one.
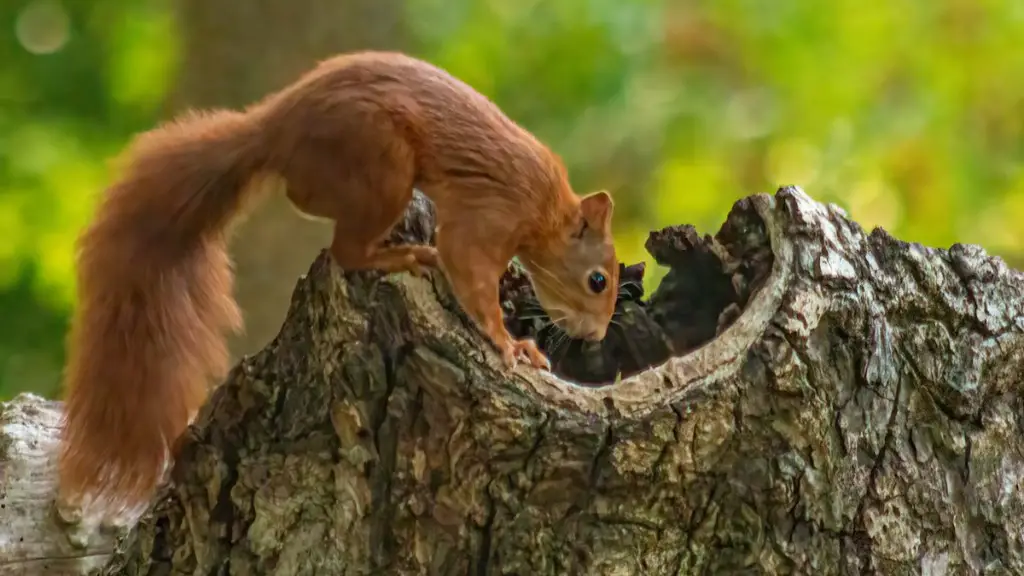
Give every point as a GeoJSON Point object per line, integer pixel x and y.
{"type": "Point", "coordinates": [597, 282]}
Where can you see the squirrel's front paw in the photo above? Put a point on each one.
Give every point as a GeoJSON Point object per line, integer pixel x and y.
{"type": "Point", "coordinates": [527, 348]}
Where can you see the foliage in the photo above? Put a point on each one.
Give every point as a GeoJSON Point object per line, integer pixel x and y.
{"type": "Point", "coordinates": [908, 114]}
{"type": "Point", "coordinates": [76, 80]}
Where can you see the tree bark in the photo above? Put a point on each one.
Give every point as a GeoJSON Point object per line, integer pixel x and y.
{"type": "Point", "coordinates": [861, 414]}
{"type": "Point", "coordinates": [837, 402]}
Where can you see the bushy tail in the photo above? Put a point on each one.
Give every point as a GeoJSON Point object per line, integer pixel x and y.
{"type": "Point", "coordinates": [155, 304]}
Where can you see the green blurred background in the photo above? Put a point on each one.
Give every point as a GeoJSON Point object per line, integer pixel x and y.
{"type": "Point", "coordinates": [908, 113]}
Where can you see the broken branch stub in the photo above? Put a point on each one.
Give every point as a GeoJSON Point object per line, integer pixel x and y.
{"type": "Point", "coordinates": [839, 402]}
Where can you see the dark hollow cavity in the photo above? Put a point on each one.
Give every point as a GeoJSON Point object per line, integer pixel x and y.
{"type": "Point", "coordinates": [708, 284]}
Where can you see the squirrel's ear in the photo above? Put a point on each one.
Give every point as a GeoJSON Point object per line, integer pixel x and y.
{"type": "Point", "coordinates": [597, 210]}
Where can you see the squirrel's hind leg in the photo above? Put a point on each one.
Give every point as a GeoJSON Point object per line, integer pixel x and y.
{"type": "Point", "coordinates": [359, 246]}
{"type": "Point", "coordinates": [361, 178]}
{"type": "Point", "coordinates": [372, 204]}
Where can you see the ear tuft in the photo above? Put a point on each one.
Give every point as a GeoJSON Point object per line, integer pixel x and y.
{"type": "Point", "coordinates": [597, 210]}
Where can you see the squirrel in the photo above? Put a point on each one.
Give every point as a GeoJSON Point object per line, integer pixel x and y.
{"type": "Point", "coordinates": [351, 138]}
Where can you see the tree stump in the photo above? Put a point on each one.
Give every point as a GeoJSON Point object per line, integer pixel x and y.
{"type": "Point", "coordinates": [797, 397]}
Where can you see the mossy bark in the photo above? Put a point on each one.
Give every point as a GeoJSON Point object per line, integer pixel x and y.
{"type": "Point", "coordinates": [837, 402]}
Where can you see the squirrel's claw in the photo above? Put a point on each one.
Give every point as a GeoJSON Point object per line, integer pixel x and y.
{"type": "Point", "coordinates": [527, 348]}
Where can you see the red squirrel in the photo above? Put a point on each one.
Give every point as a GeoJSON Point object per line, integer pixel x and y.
{"type": "Point", "coordinates": [351, 138]}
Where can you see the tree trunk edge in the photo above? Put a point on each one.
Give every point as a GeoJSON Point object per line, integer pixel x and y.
{"type": "Point", "coordinates": [872, 426]}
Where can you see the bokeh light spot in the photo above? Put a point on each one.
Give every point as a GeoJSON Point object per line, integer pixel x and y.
{"type": "Point", "coordinates": [43, 27]}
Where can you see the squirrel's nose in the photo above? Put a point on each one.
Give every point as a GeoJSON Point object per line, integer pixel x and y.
{"type": "Point", "coordinates": [594, 334]}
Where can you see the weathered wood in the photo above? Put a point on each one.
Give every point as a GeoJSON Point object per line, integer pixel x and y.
{"type": "Point", "coordinates": [840, 403]}
{"type": "Point", "coordinates": [32, 540]}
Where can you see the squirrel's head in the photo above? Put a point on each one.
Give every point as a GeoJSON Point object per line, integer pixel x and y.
{"type": "Point", "coordinates": [576, 276]}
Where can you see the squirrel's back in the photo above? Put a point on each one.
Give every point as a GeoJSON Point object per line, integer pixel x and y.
{"type": "Point", "coordinates": [453, 128]}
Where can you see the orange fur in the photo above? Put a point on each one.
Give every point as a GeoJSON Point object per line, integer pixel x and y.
{"type": "Point", "coordinates": [351, 139]}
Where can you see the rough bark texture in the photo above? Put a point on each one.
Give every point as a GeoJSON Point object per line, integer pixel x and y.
{"type": "Point", "coordinates": [839, 403]}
